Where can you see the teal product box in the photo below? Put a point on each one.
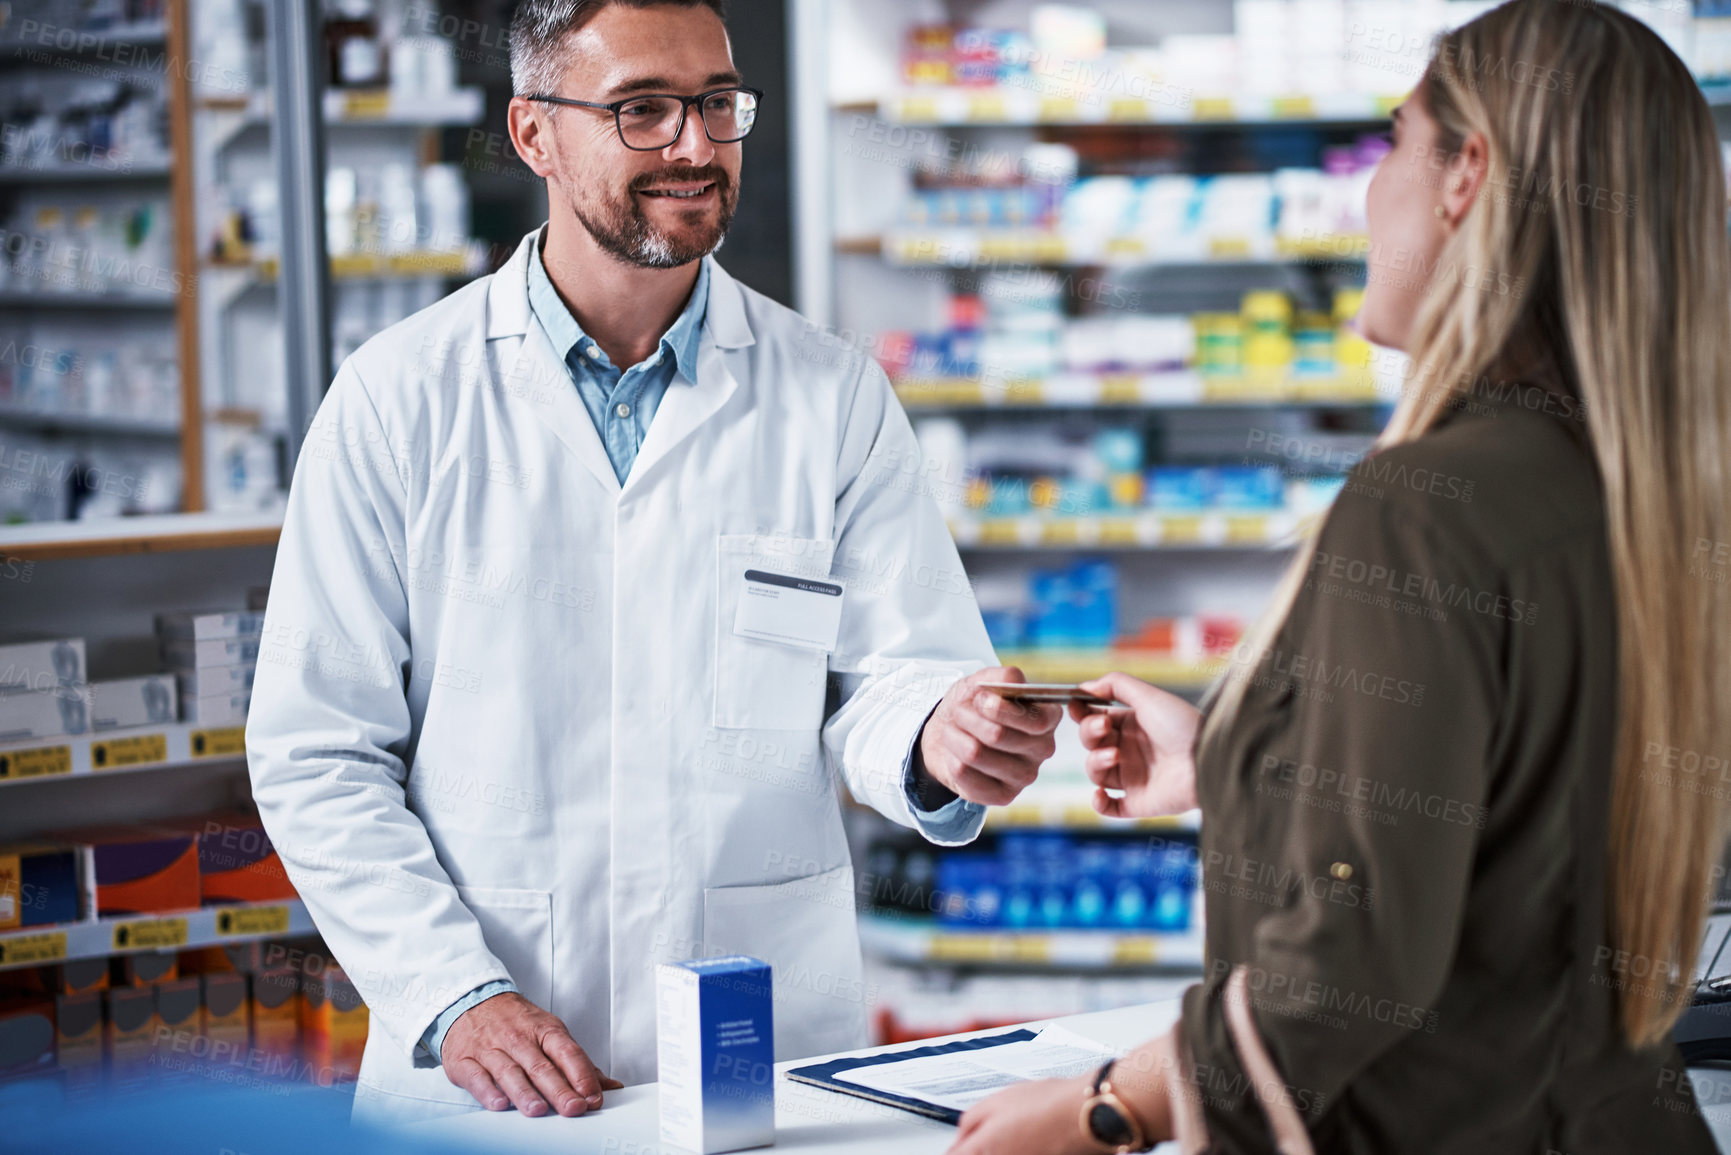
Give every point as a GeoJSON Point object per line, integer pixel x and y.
{"type": "Point", "coordinates": [716, 1053]}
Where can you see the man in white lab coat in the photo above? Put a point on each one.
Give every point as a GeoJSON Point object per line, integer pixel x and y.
{"type": "Point", "coordinates": [595, 578]}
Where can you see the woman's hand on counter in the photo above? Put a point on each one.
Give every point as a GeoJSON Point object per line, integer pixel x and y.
{"type": "Point", "coordinates": [1144, 751]}
{"type": "Point", "coordinates": [1039, 1118]}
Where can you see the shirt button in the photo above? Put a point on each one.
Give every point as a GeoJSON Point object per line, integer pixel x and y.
{"type": "Point", "coordinates": [594, 351]}
{"type": "Point", "coordinates": [622, 409]}
{"type": "Point", "coordinates": [1341, 871]}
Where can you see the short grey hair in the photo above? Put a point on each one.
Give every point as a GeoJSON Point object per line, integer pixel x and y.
{"type": "Point", "coordinates": [540, 28]}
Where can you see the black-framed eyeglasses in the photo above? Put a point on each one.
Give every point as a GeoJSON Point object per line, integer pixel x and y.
{"type": "Point", "coordinates": [654, 120]}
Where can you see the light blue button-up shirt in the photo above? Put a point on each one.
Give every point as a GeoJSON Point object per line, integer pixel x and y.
{"type": "Point", "coordinates": [622, 404]}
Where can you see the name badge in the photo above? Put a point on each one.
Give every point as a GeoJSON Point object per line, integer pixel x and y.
{"type": "Point", "coordinates": [794, 611]}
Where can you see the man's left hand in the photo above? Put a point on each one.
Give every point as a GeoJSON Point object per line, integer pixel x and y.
{"type": "Point", "coordinates": [984, 748]}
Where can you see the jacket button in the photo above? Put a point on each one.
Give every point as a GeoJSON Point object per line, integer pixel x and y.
{"type": "Point", "coordinates": [1341, 871]}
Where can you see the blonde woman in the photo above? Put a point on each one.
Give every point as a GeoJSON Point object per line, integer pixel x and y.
{"type": "Point", "coordinates": [1456, 840]}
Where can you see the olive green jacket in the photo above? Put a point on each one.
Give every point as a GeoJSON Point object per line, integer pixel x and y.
{"type": "Point", "coordinates": [1404, 835]}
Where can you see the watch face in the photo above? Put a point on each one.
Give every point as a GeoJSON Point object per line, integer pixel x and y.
{"type": "Point", "coordinates": [1108, 1125]}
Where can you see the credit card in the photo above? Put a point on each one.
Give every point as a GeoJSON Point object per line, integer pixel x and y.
{"type": "Point", "coordinates": [1032, 692]}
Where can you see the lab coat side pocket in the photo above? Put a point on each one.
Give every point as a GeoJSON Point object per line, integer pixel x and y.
{"type": "Point", "coordinates": [518, 927]}
{"type": "Point", "coordinates": [806, 931]}
{"type": "Point", "coordinates": [761, 685]}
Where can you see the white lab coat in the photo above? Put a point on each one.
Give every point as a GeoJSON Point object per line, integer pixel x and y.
{"type": "Point", "coordinates": [502, 725]}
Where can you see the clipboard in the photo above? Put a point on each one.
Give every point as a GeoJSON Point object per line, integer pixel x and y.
{"type": "Point", "coordinates": [824, 1074]}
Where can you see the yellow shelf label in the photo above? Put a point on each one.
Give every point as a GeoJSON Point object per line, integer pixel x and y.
{"type": "Point", "coordinates": [1128, 108]}
{"type": "Point", "coordinates": [1293, 108]}
{"type": "Point", "coordinates": [28, 949]}
{"type": "Point", "coordinates": [1060, 108]}
{"type": "Point", "coordinates": [998, 531]}
{"type": "Point", "coordinates": [149, 933]}
{"type": "Point", "coordinates": [221, 743]}
{"type": "Point", "coordinates": [1229, 248]}
{"type": "Point", "coordinates": [918, 108]}
{"type": "Point", "coordinates": [1385, 105]}
{"type": "Point", "coordinates": [252, 921]}
{"type": "Point", "coordinates": [1183, 529]}
{"type": "Point", "coordinates": [1118, 531]}
{"type": "Point", "coordinates": [1135, 949]}
{"type": "Point", "coordinates": [1212, 108]}
{"type": "Point", "coordinates": [1120, 389]}
{"type": "Point", "coordinates": [108, 753]}
{"type": "Point", "coordinates": [37, 762]}
{"type": "Point", "coordinates": [986, 106]}
{"type": "Point", "coordinates": [1247, 528]}
{"type": "Point", "coordinates": [1024, 392]}
{"type": "Point", "coordinates": [987, 947]}
{"type": "Point", "coordinates": [367, 105]}
{"type": "Point", "coordinates": [1067, 531]}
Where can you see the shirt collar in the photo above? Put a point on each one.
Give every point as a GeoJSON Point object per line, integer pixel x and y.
{"type": "Point", "coordinates": [682, 338]}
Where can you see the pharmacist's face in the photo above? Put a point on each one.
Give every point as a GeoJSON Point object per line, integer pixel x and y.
{"type": "Point", "coordinates": [1406, 235]}
{"type": "Point", "coordinates": [662, 208]}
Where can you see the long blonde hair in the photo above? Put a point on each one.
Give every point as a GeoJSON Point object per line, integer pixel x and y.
{"type": "Point", "coordinates": [1609, 206]}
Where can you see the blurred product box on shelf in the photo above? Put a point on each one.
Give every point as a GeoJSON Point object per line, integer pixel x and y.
{"type": "Point", "coordinates": [72, 977]}
{"type": "Point", "coordinates": [44, 713]}
{"type": "Point", "coordinates": [333, 1022]}
{"type": "Point", "coordinates": [26, 1035]}
{"type": "Point", "coordinates": [42, 884]}
{"type": "Point", "coordinates": [209, 625]}
{"type": "Point", "coordinates": [78, 1038]}
{"type": "Point", "coordinates": [115, 249]}
{"type": "Point", "coordinates": [179, 1003]}
{"type": "Point", "coordinates": [214, 682]}
{"type": "Point", "coordinates": [140, 870]}
{"type": "Point", "coordinates": [1057, 881]}
{"type": "Point", "coordinates": [41, 665]}
{"type": "Point", "coordinates": [144, 968]}
{"type": "Point", "coordinates": [131, 1030]}
{"type": "Point", "coordinates": [217, 709]}
{"type": "Point", "coordinates": [1075, 608]}
{"type": "Point", "coordinates": [125, 702]}
{"type": "Point", "coordinates": [182, 656]}
{"type": "Point", "coordinates": [236, 861]}
{"type": "Point", "coordinates": [225, 1009]}
{"type": "Point", "coordinates": [275, 1010]}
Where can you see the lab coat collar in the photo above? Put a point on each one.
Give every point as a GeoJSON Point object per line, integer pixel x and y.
{"type": "Point", "coordinates": [508, 300]}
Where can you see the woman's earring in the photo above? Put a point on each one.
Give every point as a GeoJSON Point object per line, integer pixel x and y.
{"type": "Point", "coordinates": [1441, 213]}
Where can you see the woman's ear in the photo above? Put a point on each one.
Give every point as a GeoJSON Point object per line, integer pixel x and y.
{"type": "Point", "coordinates": [1465, 177]}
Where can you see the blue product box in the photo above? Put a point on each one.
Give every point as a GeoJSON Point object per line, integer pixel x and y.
{"type": "Point", "coordinates": [1255, 487]}
{"type": "Point", "coordinates": [716, 1052]}
{"type": "Point", "coordinates": [1179, 488]}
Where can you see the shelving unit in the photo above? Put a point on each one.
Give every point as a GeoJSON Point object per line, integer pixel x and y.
{"type": "Point", "coordinates": [913, 942]}
{"type": "Point", "coordinates": [182, 930]}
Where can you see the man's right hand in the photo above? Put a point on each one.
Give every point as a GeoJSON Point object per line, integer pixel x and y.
{"type": "Point", "coordinates": [508, 1052]}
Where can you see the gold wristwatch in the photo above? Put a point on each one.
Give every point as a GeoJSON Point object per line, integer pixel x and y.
{"type": "Point", "coordinates": [1106, 1119]}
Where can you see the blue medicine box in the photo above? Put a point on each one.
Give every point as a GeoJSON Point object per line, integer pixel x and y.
{"type": "Point", "coordinates": [716, 1053]}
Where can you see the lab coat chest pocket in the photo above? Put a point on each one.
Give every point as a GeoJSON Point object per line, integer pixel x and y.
{"type": "Point", "coordinates": [764, 685]}
{"type": "Point", "coordinates": [518, 927]}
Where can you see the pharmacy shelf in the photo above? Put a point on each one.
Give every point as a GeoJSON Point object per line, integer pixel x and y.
{"type": "Point", "coordinates": [1170, 107]}
{"type": "Point", "coordinates": [50, 299]}
{"type": "Point", "coordinates": [85, 174]}
{"type": "Point", "coordinates": [962, 246]}
{"type": "Point", "coordinates": [47, 421]}
{"type": "Point", "coordinates": [159, 533]}
{"type": "Point", "coordinates": [1183, 531]}
{"type": "Point", "coordinates": [1081, 665]}
{"type": "Point", "coordinates": [367, 106]}
{"type": "Point", "coordinates": [915, 941]}
{"type": "Point", "coordinates": [380, 266]}
{"type": "Point", "coordinates": [1066, 814]}
{"type": "Point", "coordinates": [179, 930]}
{"type": "Point", "coordinates": [59, 42]}
{"type": "Point", "coordinates": [159, 747]}
{"type": "Point", "coordinates": [1173, 389]}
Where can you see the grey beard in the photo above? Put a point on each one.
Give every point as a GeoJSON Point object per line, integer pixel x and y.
{"type": "Point", "coordinates": [627, 235]}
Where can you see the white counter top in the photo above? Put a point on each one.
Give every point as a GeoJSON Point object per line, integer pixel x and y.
{"type": "Point", "coordinates": [807, 1119]}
